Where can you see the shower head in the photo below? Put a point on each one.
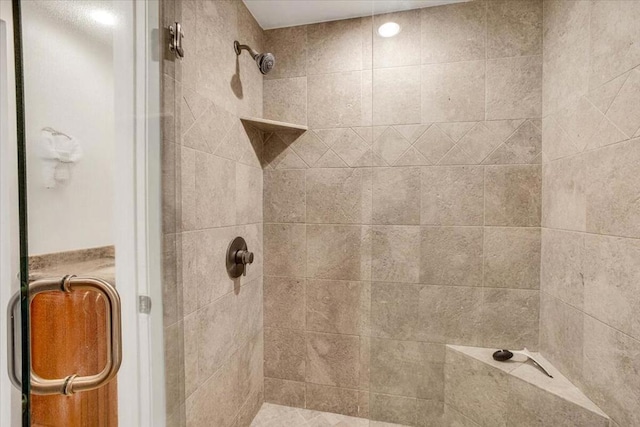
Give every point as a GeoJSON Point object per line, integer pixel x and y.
{"type": "Point", "coordinates": [265, 61]}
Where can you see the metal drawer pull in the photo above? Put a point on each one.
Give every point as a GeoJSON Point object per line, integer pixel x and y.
{"type": "Point", "coordinates": [74, 383]}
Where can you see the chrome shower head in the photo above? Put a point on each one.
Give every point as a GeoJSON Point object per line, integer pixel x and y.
{"type": "Point", "coordinates": [265, 61]}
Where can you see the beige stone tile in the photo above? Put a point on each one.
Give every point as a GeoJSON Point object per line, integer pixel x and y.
{"type": "Point", "coordinates": [625, 109]}
{"type": "Point", "coordinates": [215, 191]}
{"type": "Point", "coordinates": [216, 334]}
{"type": "Point", "coordinates": [390, 146]}
{"type": "Point", "coordinates": [434, 144]}
{"type": "Point", "coordinates": [285, 250]}
{"type": "Point", "coordinates": [251, 374]}
{"type": "Point", "coordinates": [285, 100]}
{"type": "Point", "coordinates": [451, 256]}
{"type": "Point", "coordinates": [284, 303]}
{"type": "Point", "coordinates": [249, 409]}
{"type": "Point", "coordinates": [337, 307]}
{"type": "Point", "coordinates": [602, 97]}
{"type": "Point", "coordinates": [395, 255]}
{"type": "Point", "coordinates": [476, 390]}
{"type": "Point", "coordinates": [453, 33]}
{"type": "Point", "coordinates": [512, 257]}
{"type": "Point", "coordinates": [172, 299]}
{"type": "Point", "coordinates": [452, 195]}
{"type": "Point", "coordinates": [556, 143]}
{"type": "Point", "coordinates": [510, 318]}
{"type": "Point", "coordinates": [429, 413]}
{"type": "Point", "coordinates": [289, 45]}
{"type": "Point", "coordinates": [613, 35]}
{"type": "Point", "coordinates": [453, 418]}
{"type": "Point", "coordinates": [479, 142]}
{"type": "Point", "coordinates": [394, 310]}
{"type": "Point", "coordinates": [580, 120]}
{"type": "Point", "coordinates": [334, 252]}
{"type": "Point", "coordinates": [284, 196]}
{"type": "Point", "coordinates": [333, 359]}
{"type": "Point", "coordinates": [529, 404]}
{"type": "Point", "coordinates": [561, 267]}
{"type": "Point", "coordinates": [249, 186]}
{"type": "Point", "coordinates": [561, 336]}
{"type": "Point", "coordinates": [175, 376]}
{"type": "Point", "coordinates": [349, 147]}
{"type": "Point", "coordinates": [612, 190]}
{"type": "Point", "coordinates": [611, 274]}
{"type": "Point", "coordinates": [335, 195]}
{"type": "Point", "coordinates": [392, 409]}
{"type": "Point", "coordinates": [564, 194]}
{"type": "Point", "coordinates": [395, 192]}
{"type": "Point", "coordinates": [254, 235]}
{"type": "Point", "coordinates": [190, 355]}
{"type": "Point", "coordinates": [334, 100]}
{"type": "Point", "coordinates": [402, 49]}
{"type": "Point", "coordinates": [611, 359]}
{"type": "Point", "coordinates": [284, 354]}
{"type": "Point", "coordinates": [284, 392]}
{"type": "Point", "coordinates": [453, 92]}
{"type": "Point", "coordinates": [309, 147]}
{"type": "Point", "coordinates": [566, 51]}
{"type": "Point", "coordinates": [396, 95]}
{"type": "Point", "coordinates": [512, 195]}
{"type": "Point", "coordinates": [334, 46]}
{"type": "Point", "coordinates": [407, 368]}
{"type": "Point", "coordinates": [272, 415]}
{"type": "Point", "coordinates": [331, 399]}
{"type": "Point", "coordinates": [514, 28]}
{"type": "Point", "coordinates": [524, 146]}
{"type": "Point", "coordinates": [514, 88]}
{"type": "Point", "coordinates": [450, 314]}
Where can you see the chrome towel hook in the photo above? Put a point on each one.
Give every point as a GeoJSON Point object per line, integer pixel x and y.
{"type": "Point", "coordinates": [175, 43]}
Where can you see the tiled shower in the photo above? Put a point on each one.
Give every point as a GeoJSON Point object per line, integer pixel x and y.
{"type": "Point", "coordinates": [469, 182]}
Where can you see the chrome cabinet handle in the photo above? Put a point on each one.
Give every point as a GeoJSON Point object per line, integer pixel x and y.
{"type": "Point", "coordinates": [74, 383]}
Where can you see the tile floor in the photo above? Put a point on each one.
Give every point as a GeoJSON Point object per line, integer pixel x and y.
{"type": "Point", "coordinates": [271, 415]}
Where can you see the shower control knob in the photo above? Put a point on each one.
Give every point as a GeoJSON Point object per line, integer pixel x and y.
{"type": "Point", "coordinates": [238, 258]}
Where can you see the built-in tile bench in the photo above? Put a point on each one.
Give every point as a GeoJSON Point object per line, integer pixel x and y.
{"type": "Point", "coordinates": [480, 391]}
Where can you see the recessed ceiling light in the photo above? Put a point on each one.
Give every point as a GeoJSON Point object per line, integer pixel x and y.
{"type": "Point", "coordinates": [103, 17]}
{"type": "Point", "coordinates": [389, 29]}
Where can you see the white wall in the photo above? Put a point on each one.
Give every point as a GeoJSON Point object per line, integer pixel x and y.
{"type": "Point", "coordinates": [69, 86]}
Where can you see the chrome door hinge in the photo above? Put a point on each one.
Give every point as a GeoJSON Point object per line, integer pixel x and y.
{"type": "Point", "coordinates": [144, 304]}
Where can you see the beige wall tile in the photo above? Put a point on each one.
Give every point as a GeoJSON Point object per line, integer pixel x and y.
{"type": "Point", "coordinates": [333, 359]}
{"type": "Point", "coordinates": [284, 196]}
{"type": "Point", "coordinates": [561, 266]}
{"type": "Point", "coordinates": [450, 314]}
{"type": "Point", "coordinates": [453, 33]}
{"type": "Point", "coordinates": [561, 336]}
{"type": "Point", "coordinates": [514, 28]}
{"type": "Point", "coordinates": [434, 144]}
{"type": "Point", "coordinates": [395, 254]}
{"type": "Point", "coordinates": [395, 195]}
{"type": "Point", "coordinates": [284, 392]}
{"type": "Point", "coordinates": [451, 256]}
{"type": "Point", "coordinates": [611, 277]}
{"type": "Point", "coordinates": [249, 186]}
{"type": "Point", "coordinates": [394, 310]}
{"type": "Point", "coordinates": [389, 147]}
{"type": "Point", "coordinates": [512, 195]}
{"type": "Point", "coordinates": [396, 95]}
{"type": "Point", "coordinates": [215, 191]}
{"type": "Point", "coordinates": [285, 249]}
{"type": "Point", "coordinates": [337, 306]}
{"type": "Point", "coordinates": [332, 399]}
{"type": "Point", "coordinates": [613, 35]}
{"type": "Point", "coordinates": [514, 88]}
{"type": "Point", "coordinates": [512, 257]}
{"type": "Point", "coordinates": [611, 360]}
{"type": "Point", "coordinates": [284, 303]}
{"type": "Point", "coordinates": [174, 357]}
{"type": "Point", "coordinates": [402, 49]}
{"type": "Point", "coordinates": [285, 100]}
{"type": "Point", "coordinates": [335, 195]}
{"type": "Point", "coordinates": [510, 318]}
{"type": "Point", "coordinates": [452, 195]}
{"type": "Point", "coordinates": [289, 45]}
{"type": "Point", "coordinates": [612, 190]}
{"type": "Point", "coordinates": [564, 194]}
{"type": "Point", "coordinates": [453, 92]}
{"type": "Point", "coordinates": [392, 409]}
{"type": "Point", "coordinates": [334, 100]}
{"type": "Point", "coordinates": [624, 110]}
{"type": "Point", "coordinates": [284, 354]}
{"type": "Point", "coordinates": [452, 417]}
{"type": "Point", "coordinates": [429, 413]}
{"type": "Point", "coordinates": [334, 46]}
{"type": "Point", "coordinates": [334, 252]}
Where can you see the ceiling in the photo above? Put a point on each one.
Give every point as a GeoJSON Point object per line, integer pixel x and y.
{"type": "Point", "coordinates": [287, 13]}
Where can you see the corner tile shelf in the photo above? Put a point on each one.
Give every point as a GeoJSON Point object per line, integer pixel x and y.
{"type": "Point", "coordinates": [266, 125]}
{"type": "Point", "coordinates": [487, 393]}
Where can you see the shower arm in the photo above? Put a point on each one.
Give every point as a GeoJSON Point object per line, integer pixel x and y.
{"type": "Point", "coordinates": [240, 47]}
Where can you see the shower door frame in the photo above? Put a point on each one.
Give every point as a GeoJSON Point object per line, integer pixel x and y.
{"type": "Point", "coordinates": [141, 400]}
